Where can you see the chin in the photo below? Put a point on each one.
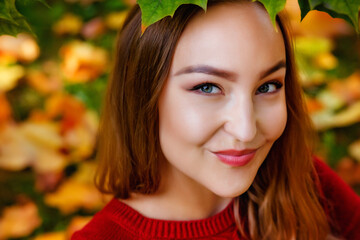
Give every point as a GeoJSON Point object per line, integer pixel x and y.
{"type": "Point", "coordinates": [231, 192]}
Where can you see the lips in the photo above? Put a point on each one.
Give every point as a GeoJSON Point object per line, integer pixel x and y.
{"type": "Point", "coordinates": [236, 158]}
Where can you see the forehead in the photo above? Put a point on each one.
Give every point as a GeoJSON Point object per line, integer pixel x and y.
{"type": "Point", "coordinates": [230, 35]}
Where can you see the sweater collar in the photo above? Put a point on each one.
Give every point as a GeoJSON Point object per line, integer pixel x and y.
{"type": "Point", "coordinates": [146, 227]}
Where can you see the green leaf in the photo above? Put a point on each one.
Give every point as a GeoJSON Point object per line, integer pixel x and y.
{"type": "Point", "coordinates": [345, 9]}
{"type": "Point", "coordinates": [154, 10]}
{"type": "Point", "coordinates": [29, 2]}
{"type": "Point", "coordinates": [273, 7]}
{"type": "Point", "coordinates": [314, 3]}
{"type": "Point", "coordinates": [13, 29]}
{"type": "Point", "coordinates": [44, 3]}
{"type": "Point", "coordinates": [11, 21]}
{"type": "Point", "coordinates": [5, 7]}
{"type": "Point", "coordinates": [304, 7]}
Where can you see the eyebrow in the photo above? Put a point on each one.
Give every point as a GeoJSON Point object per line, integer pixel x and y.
{"type": "Point", "coordinates": [209, 70]}
{"type": "Point", "coordinates": [279, 65]}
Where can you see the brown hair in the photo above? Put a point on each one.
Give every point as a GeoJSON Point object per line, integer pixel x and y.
{"type": "Point", "coordinates": [282, 203]}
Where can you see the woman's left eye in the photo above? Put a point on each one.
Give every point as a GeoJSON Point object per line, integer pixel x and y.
{"type": "Point", "coordinates": [269, 87]}
{"type": "Point", "coordinates": [207, 88]}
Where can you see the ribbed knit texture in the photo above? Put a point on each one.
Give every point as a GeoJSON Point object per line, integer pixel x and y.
{"type": "Point", "coordinates": [119, 221]}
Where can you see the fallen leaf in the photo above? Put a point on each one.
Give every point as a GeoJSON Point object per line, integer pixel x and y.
{"type": "Point", "coordinates": [326, 61]}
{"type": "Point", "coordinates": [354, 150]}
{"type": "Point", "coordinates": [48, 181]}
{"type": "Point", "coordinates": [76, 224]}
{"type": "Point", "coordinates": [23, 47]}
{"type": "Point", "coordinates": [83, 62]}
{"type": "Point", "coordinates": [45, 134]}
{"type": "Point", "coordinates": [5, 110]}
{"type": "Point", "coordinates": [16, 152]}
{"type": "Point", "coordinates": [52, 236]}
{"type": "Point", "coordinates": [328, 119]}
{"type": "Point", "coordinates": [43, 82]}
{"type": "Point", "coordinates": [93, 29]}
{"type": "Point", "coordinates": [80, 140]}
{"type": "Point", "coordinates": [347, 89]}
{"type": "Point", "coordinates": [73, 195]}
{"type": "Point", "coordinates": [19, 220]}
{"type": "Point", "coordinates": [346, 170]}
{"type": "Point", "coordinates": [115, 20]}
{"type": "Point", "coordinates": [68, 24]}
{"type": "Point", "coordinates": [49, 160]}
{"type": "Point", "coordinates": [10, 76]}
{"type": "Point", "coordinates": [313, 105]}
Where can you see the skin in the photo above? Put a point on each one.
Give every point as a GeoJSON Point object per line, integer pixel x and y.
{"type": "Point", "coordinates": [236, 54]}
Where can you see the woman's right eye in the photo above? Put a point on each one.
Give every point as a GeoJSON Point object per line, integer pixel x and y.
{"type": "Point", "coordinates": [207, 88]}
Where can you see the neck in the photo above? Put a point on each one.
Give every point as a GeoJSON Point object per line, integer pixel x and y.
{"type": "Point", "coordinates": [178, 198]}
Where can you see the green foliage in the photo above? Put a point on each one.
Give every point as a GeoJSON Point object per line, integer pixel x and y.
{"type": "Point", "coordinates": [273, 7]}
{"type": "Point", "coordinates": [154, 10]}
{"type": "Point", "coordinates": [22, 100]}
{"type": "Point", "coordinates": [91, 94]}
{"type": "Point", "coordinates": [344, 51]}
{"type": "Point", "coordinates": [345, 9]}
{"type": "Point", "coordinates": [12, 21]}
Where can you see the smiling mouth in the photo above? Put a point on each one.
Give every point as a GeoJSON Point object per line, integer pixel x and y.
{"type": "Point", "coordinates": [236, 158]}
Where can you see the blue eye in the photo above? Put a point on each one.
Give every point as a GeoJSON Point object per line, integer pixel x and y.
{"type": "Point", "coordinates": [269, 87]}
{"type": "Point", "coordinates": [207, 88]}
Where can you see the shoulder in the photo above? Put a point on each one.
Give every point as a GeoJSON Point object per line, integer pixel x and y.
{"type": "Point", "coordinates": [106, 224]}
{"type": "Point", "coordinates": [330, 181]}
{"type": "Point", "coordinates": [341, 202]}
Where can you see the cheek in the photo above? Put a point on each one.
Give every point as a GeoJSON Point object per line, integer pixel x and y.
{"type": "Point", "coordinates": [182, 120]}
{"type": "Point", "coordinates": [272, 120]}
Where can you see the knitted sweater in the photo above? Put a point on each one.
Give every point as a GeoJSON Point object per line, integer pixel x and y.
{"type": "Point", "coordinates": [119, 221]}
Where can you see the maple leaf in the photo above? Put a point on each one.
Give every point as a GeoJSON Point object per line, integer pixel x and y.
{"type": "Point", "coordinates": [154, 10]}
{"type": "Point", "coordinates": [273, 7]}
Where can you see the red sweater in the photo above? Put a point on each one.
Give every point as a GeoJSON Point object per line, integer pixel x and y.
{"type": "Point", "coordinates": [119, 221]}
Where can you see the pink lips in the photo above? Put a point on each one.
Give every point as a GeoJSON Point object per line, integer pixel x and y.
{"type": "Point", "coordinates": [236, 158]}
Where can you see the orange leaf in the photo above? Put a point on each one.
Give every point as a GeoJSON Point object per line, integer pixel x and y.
{"type": "Point", "coordinates": [19, 221]}
{"type": "Point", "coordinates": [5, 110]}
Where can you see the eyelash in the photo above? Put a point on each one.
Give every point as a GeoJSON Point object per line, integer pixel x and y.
{"type": "Point", "coordinates": [197, 88]}
{"type": "Point", "coordinates": [277, 84]}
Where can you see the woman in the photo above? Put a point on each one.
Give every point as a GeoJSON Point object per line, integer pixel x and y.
{"type": "Point", "coordinates": [205, 135]}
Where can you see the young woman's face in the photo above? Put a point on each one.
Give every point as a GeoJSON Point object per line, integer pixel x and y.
{"type": "Point", "coordinates": [223, 104]}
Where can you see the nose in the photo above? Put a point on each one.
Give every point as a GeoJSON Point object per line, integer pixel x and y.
{"type": "Point", "coordinates": [241, 120]}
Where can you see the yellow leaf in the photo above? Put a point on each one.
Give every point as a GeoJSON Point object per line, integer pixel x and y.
{"type": "Point", "coordinates": [83, 62]}
{"type": "Point", "coordinates": [68, 24]}
{"type": "Point", "coordinates": [23, 47]}
{"type": "Point", "coordinates": [115, 19]}
{"type": "Point", "coordinates": [9, 76]}
{"type": "Point", "coordinates": [52, 236]}
{"type": "Point", "coordinates": [19, 221]}
{"type": "Point", "coordinates": [16, 152]}
{"type": "Point", "coordinates": [46, 134]}
{"type": "Point", "coordinates": [73, 195]}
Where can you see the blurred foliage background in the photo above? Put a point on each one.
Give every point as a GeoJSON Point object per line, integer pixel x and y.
{"type": "Point", "coordinates": [51, 90]}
